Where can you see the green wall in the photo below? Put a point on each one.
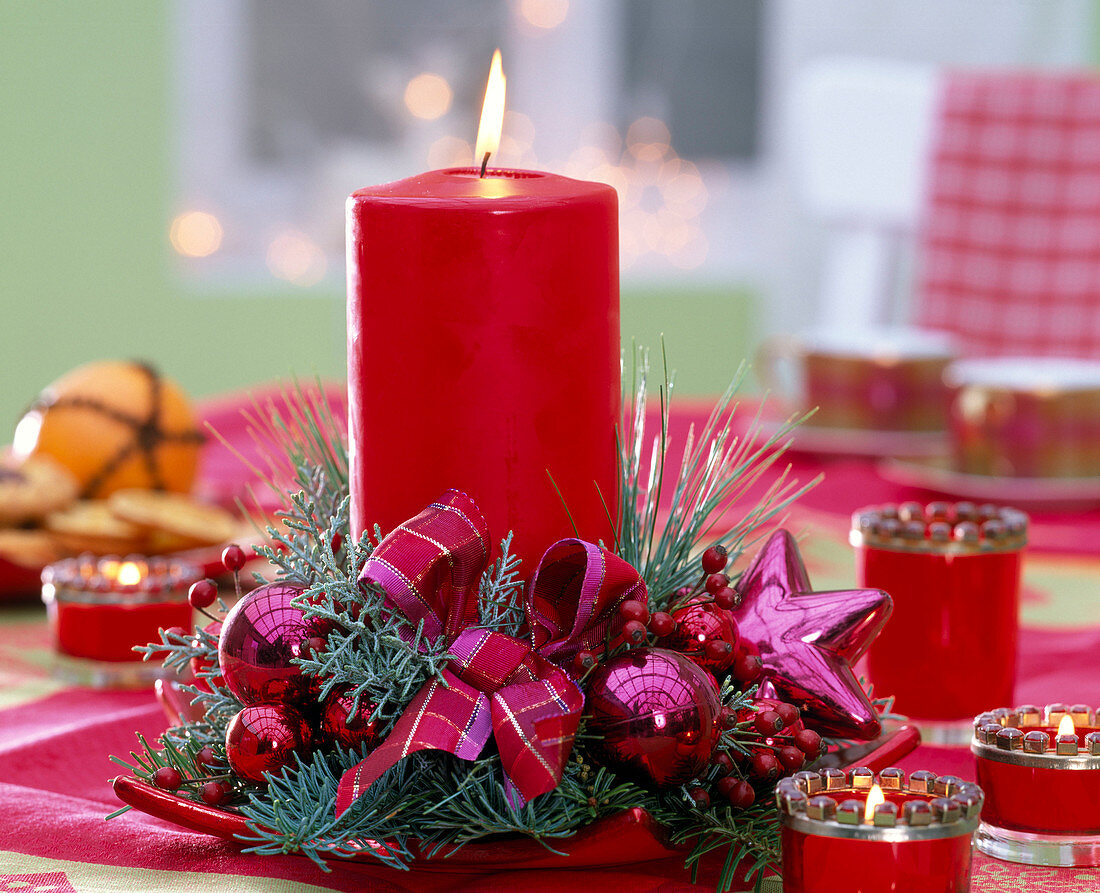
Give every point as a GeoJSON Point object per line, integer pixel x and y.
{"type": "Point", "coordinates": [85, 145]}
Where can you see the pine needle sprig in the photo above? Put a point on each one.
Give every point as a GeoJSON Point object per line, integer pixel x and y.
{"type": "Point", "coordinates": [718, 469]}
{"type": "Point", "coordinates": [500, 593]}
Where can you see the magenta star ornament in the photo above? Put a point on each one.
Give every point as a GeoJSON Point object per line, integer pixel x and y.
{"type": "Point", "coordinates": [809, 640]}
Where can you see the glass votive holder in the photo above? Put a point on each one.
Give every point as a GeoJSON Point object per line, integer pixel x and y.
{"type": "Point", "coordinates": [99, 609]}
{"type": "Point", "coordinates": [891, 832]}
{"type": "Point", "coordinates": [1040, 769]}
{"type": "Point", "coordinates": [953, 571]}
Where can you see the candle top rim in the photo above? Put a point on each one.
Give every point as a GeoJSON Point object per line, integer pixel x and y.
{"type": "Point", "coordinates": [501, 188]}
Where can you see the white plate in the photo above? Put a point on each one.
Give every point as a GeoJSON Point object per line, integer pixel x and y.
{"type": "Point", "coordinates": [935, 474]}
{"type": "Point", "coordinates": [809, 438]}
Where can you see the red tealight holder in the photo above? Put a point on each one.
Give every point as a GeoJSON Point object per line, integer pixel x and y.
{"type": "Point", "coordinates": [1042, 784]}
{"type": "Point", "coordinates": [953, 571]}
{"type": "Point", "coordinates": [914, 837]}
{"type": "Point", "coordinates": [100, 608]}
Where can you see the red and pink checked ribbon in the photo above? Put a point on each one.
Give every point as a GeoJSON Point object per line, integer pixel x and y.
{"type": "Point", "coordinates": [498, 686]}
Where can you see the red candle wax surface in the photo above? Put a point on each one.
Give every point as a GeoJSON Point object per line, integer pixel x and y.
{"type": "Point", "coordinates": [818, 864]}
{"type": "Point", "coordinates": [955, 618]}
{"type": "Point", "coordinates": [483, 352]}
{"type": "Point", "coordinates": [109, 632]}
{"type": "Point", "coordinates": [1038, 798]}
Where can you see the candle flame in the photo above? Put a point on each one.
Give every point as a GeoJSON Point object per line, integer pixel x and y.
{"type": "Point", "coordinates": [874, 798]}
{"type": "Point", "coordinates": [1066, 726]}
{"type": "Point", "coordinates": [492, 112]}
{"type": "Point", "coordinates": [129, 574]}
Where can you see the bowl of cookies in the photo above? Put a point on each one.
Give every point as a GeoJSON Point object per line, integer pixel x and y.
{"type": "Point", "coordinates": [105, 462]}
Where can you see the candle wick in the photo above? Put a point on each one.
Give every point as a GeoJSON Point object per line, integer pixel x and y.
{"type": "Point", "coordinates": [485, 163]}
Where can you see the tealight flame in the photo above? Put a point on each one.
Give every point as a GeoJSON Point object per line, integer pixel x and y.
{"type": "Point", "coordinates": [129, 574]}
{"type": "Point", "coordinates": [1066, 726]}
{"type": "Point", "coordinates": [874, 798]}
{"type": "Point", "coordinates": [492, 114]}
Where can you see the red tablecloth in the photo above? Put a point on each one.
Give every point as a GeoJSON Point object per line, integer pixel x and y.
{"type": "Point", "coordinates": [54, 740]}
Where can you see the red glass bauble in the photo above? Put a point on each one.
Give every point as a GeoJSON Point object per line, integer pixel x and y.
{"type": "Point", "coordinates": [265, 738]}
{"type": "Point", "coordinates": [655, 713]}
{"type": "Point", "coordinates": [335, 728]}
{"type": "Point", "coordinates": [700, 622]}
{"type": "Point", "coordinates": [260, 638]}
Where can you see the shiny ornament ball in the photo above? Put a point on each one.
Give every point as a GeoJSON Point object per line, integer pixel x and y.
{"type": "Point", "coordinates": [655, 714]}
{"type": "Point", "coordinates": [698, 623]}
{"type": "Point", "coordinates": [334, 725]}
{"type": "Point", "coordinates": [260, 639]}
{"type": "Point", "coordinates": [265, 738]}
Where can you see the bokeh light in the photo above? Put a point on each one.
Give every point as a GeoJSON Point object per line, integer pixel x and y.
{"type": "Point", "coordinates": [196, 234]}
{"type": "Point", "coordinates": [450, 151]}
{"type": "Point", "coordinates": [544, 14]}
{"type": "Point", "coordinates": [428, 96]}
{"type": "Point", "coordinates": [295, 257]}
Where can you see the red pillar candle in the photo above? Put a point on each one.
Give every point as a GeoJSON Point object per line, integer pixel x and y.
{"type": "Point", "coordinates": [483, 351]}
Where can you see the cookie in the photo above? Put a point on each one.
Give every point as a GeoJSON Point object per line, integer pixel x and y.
{"type": "Point", "coordinates": [29, 548]}
{"type": "Point", "coordinates": [166, 515]}
{"type": "Point", "coordinates": [32, 488]}
{"type": "Point", "coordinates": [91, 526]}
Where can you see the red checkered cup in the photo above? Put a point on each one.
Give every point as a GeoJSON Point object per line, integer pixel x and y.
{"type": "Point", "coordinates": [1026, 417]}
{"type": "Point", "coordinates": [867, 379]}
{"type": "Point", "coordinates": [953, 571]}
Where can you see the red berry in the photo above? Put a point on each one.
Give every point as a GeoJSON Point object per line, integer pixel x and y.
{"type": "Point", "coordinates": [727, 718]}
{"type": "Point", "coordinates": [176, 631]}
{"type": "Point", "coordinates": [682, 593]}
{"type": "Point", "coordinates": [584, 661]}
{"type": "Point", "coordinates": [717, 651]}
{"type": "Point", "coordinates": [768, 722]}
{"type": "Point", "coordinates": [789, 713]}
{"type": "Point", "coordinates": [202, 593]}
{"type": "Point", "coordinates": [747, 669]}
{"type": "Point", "coordinates": [765, 766]}
{"type": "Point", "coordinates": [205, 758]}
{"type": "Point", "coordinates": [716, 582]}
{"type": "Point", "coordinates": [168, 778]}
{"type": "Point", "coordinates": [727, 598]}
{"type": "Point", "coordinates": [635, 631]}
{"type": "Point", "coordinates": [215, 793]}
{"type": "Point", "coordinates": [233, 558]}
{"type": "Point", "coordinates": [791, 757]}
{"type": "Point", "coordinates": [715, 559]}
{"type": "Point", "coordinates": [337, 542]}
{"type": "Point", "coordinates": [808, 741]}
{"type": "Point", "coordinates": [662, 624]}
{"type": "Point", "coordinates": [700, 797]}
{"type": "Point", "coordinates": [738, 791]}
{"type": "Point", "coordinates": [634, 610]}
{"type": "Point", "coordinates": [723, 762]}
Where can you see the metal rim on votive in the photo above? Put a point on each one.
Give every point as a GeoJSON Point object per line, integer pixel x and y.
{"type": "Point", "coordinates": [952, 811]}
{"type": "Point", "coordinates": [79, 581]}
{"type": "Point", "coordinates": [999, 736]}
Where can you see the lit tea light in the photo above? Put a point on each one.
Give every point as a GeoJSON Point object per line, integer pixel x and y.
{"type": "Point", "coordinates": [100, 608]}
{"type": "Point", "coordinates": [873, 831]}
{"type": "Point", "coordinates": [1040, 769]}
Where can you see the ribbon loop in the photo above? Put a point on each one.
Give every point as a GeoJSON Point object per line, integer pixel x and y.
{"type": "Point", "coordinates": [430, 568]}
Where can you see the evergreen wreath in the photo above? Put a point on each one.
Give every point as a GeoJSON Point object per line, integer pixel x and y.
{"type": "Point", "coordinates": [431, 801]}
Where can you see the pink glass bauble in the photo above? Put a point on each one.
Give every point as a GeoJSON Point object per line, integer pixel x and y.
{"type": "Point", "coordinates": [699, 623]}
{"type": "Point", "coordinates": [335, 728]}
{"type": "Point", "coordinates": [260, 638]}
{"type": "Point", "coordinates": [265, 738]}
{"type": "Point", "coordinates": [656, 713]}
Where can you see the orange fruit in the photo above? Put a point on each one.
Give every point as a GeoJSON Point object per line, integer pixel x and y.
{"type": "Point", "coordinates": [114, 424]}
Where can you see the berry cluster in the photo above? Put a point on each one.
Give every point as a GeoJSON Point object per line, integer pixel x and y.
{"type": "Point", "coordinates": [211, 782]}
{"type": "Point", "coordinates": [765, 742]}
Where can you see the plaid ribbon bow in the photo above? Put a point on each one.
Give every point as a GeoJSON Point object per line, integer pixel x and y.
{"type": "Point", "coordinates": [430, 568]}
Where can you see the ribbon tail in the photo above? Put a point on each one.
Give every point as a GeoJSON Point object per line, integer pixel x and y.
{"type": "Point", "coordinates": [454, 718]}
{"type": "Point", "coordinates": [534, 724]}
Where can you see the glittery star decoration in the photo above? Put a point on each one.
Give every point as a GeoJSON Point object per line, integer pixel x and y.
{"type": "Point", "coordinates": [809, 640]}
